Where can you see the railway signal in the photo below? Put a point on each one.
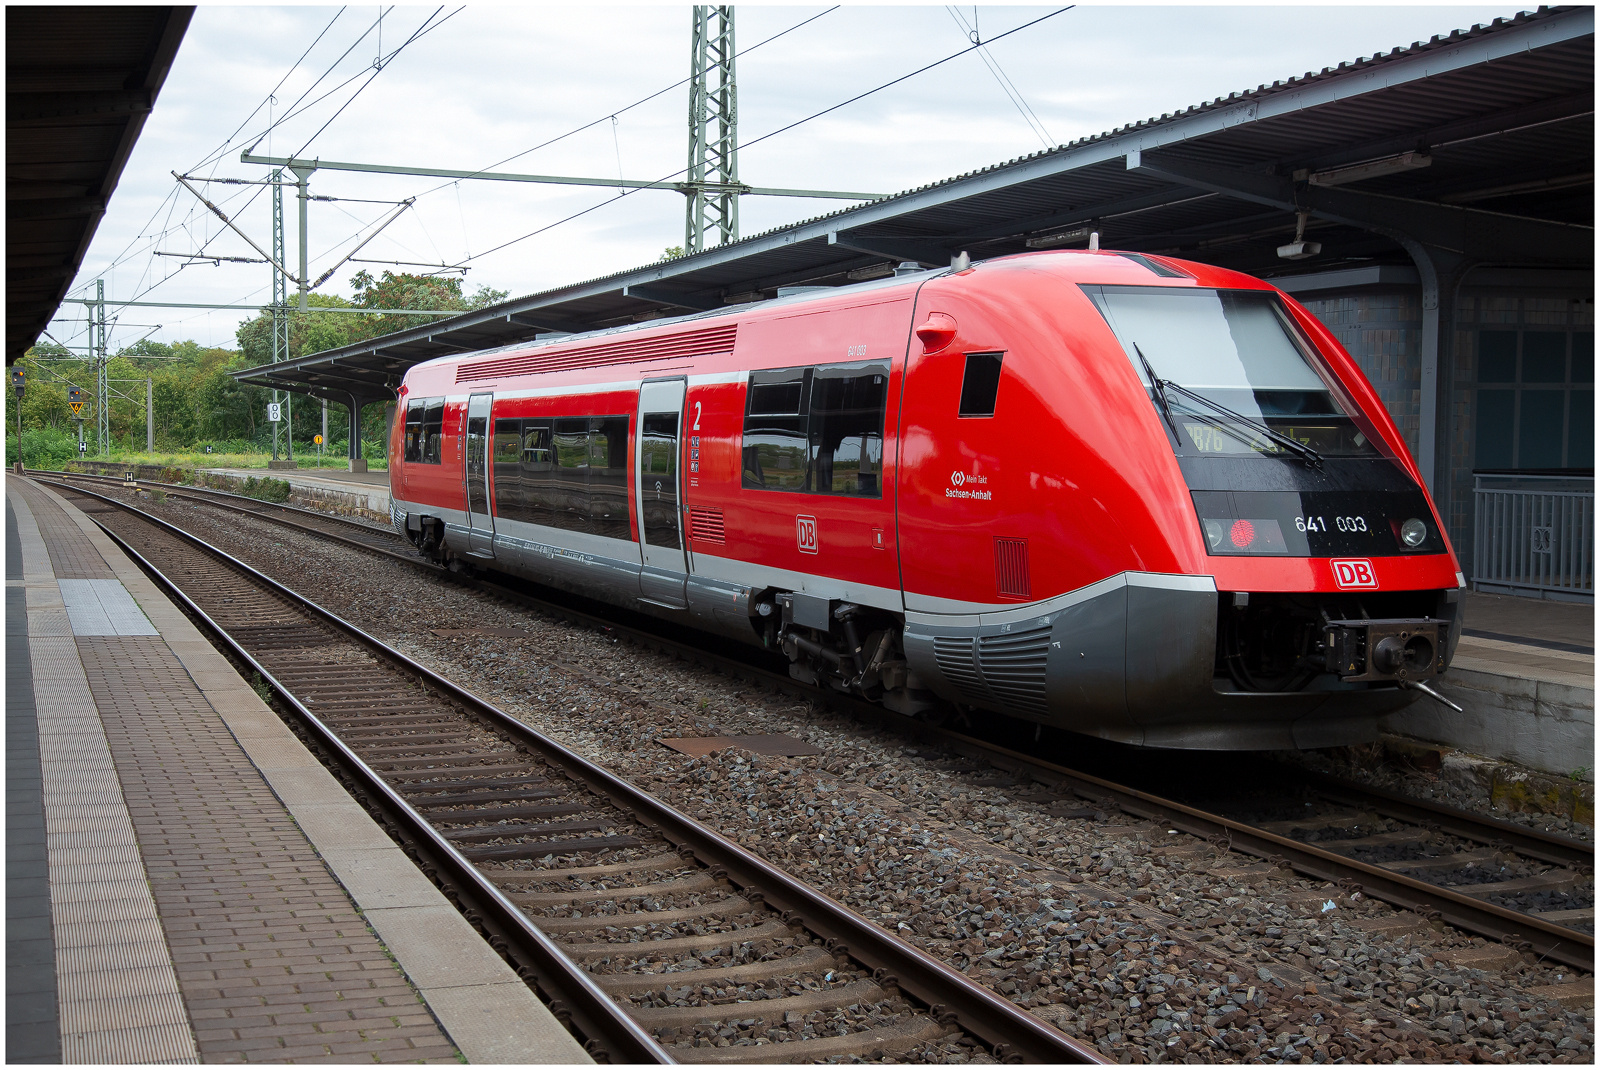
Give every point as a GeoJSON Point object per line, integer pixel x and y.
{"type": "Point", "coordinates": [75, 402]}
{"type": "Point", "coordinates": [18, 380]}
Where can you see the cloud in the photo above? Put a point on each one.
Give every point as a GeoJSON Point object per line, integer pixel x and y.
{"type": "Point", "coordinates": [494, 81]}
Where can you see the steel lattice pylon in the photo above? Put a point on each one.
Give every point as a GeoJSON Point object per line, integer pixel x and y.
{"type": "Point", "coordinates": [280, 301]}
{"type": "Point", "coordinates": [713, 181]}
{"type": "Point", "coordinates": [102, 393]}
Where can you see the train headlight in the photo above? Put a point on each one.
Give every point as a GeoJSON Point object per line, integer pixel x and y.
{"type": "Point", "coordinates": [1215, 531]}
{"type": "Point", "coordinates": [1413, 532]}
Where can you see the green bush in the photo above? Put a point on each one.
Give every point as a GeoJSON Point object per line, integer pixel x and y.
{"type": "Point", "coordinates": [43, 447]}
{"type": "Point", "coordinates": [266, 489]}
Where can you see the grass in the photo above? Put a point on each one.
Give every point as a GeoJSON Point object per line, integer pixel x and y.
{"type": "Point", "coordinates": [191, 459]}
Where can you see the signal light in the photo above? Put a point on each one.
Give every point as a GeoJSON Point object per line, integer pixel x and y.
{"type": "Point", "coordinates": [1239, 535]}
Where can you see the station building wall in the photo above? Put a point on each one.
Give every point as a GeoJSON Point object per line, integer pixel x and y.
{"type": "Point", "coordinates": [1523, 358]}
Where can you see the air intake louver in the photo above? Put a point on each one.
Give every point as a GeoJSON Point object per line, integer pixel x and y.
{"type": "Point", "coordinates": [955, 661]}
{"type": "Point", "coordinates": [705, 525]}
{"type": "Point", "coordinates": [560, 358]}
{"type": "Point", "coordinates": [1014, 668]}
{"type": "Point", "coordinates": [1011, 568]}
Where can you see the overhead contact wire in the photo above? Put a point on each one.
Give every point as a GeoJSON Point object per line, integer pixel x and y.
{"type": "Point", "coordinates": [781, 129]}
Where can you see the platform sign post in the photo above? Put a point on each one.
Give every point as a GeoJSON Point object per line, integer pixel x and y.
{"type": "Point", "coordinates": [18, 382]}
{"type": "Point", "coordinates": [318, 440]}
{"type": "Point", "coordinates": [75, 403]}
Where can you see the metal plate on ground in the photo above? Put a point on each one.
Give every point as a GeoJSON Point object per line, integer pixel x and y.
{"type": "Point", "coordinates": [779, 746]}
{"type": "Point", "coordinates": [103, 607]}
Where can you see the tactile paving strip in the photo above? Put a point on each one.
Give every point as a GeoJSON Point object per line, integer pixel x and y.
{"type": "Point", "coordinates": [33, 1030]}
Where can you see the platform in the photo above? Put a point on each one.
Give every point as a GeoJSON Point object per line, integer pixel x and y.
{"type": "Point", "coordinates": [185, 882]}
{"type": "Point", "coordinates": [1524, 672]}
{"type": "Point", "coordinates": [368, 491]}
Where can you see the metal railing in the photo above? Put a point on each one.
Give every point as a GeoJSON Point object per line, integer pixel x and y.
{"type": "Point", "coordinates": [1534, 533]}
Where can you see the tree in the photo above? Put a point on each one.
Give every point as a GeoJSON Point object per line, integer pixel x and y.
{"type": "Point", "coordinates": [144, 347]}
{"type": "Point", "coordinates": [309, 332]}
{"type": "Point", "coordinates": [416, 292]}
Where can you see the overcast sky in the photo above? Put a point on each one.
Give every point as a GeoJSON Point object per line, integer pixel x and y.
{"type": "Point", "coordinates": [491, 82]}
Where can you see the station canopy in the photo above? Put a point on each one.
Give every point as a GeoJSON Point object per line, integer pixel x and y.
{"type": "Point", "coordinates": [1471, 148]}
{"type": "Point", "coordinates": [80, 82]}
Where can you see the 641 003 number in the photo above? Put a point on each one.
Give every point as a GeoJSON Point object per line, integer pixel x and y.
{"type": "Point", "coordinates": [1320, 523]}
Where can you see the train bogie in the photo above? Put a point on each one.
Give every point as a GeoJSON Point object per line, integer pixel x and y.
{"type": "Point", "coordinates": [1136, 498]}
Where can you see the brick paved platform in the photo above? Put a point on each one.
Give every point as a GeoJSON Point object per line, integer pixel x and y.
{"type": "Point", "coordinates": [184, 881]}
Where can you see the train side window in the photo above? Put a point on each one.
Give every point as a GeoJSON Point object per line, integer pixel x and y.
{"type": "Point", "coordinates": [539, 488]}
{"type": "Point", "coordinates": [536, 455]}
{"type": "Point", "coordinates": [433, 432]}
{"type": "Point", "coordinates": [608, 477]}
{"type": "Point", "coordinates": [845, 436]}
{"type": "Point", "coordinates": [774, 447]}
{"type": "Point", "coordinates": [505, 451]}
{"type": "Point", "coordinates": [980, 384]}
{"type": "Point", "coordinates": [569, 490]}
{"type": "Point", "coordinates": [414, 413]}
{"type": "Point", "coordinates": [658, 471]}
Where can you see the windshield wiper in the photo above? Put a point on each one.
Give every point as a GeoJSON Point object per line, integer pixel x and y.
{"type": "Point", "coordinates": [1295, 446]}
{"type": "Point", "coordinates": [1159, 386]}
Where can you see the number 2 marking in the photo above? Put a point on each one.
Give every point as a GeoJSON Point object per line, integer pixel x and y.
{"type": "Point", "coordinates": [697, 416]}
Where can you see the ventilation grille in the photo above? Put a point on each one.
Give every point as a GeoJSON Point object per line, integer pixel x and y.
{"type": "Point", "coordinates": [1011, 568]}
{"type": "Point", "coordinates": [1014, 666]}
{"type": "Point", "coordinates": [562, 358]}
{"type": "Point", "coordinates": [954, 657]}
{"type": "Point", "coordinates": [705, 525]}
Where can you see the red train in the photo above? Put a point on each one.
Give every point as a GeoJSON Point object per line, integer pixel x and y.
{"type": "Point", "coordinates": [1130, 496]}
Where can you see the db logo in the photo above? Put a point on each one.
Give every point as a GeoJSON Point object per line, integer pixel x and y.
{"type": "Point", "coordinates": [1353, 573]}
{"type": "Point", "coordinates": [957, 478]}
{"type": "Point", "coordinates": [805, 531]}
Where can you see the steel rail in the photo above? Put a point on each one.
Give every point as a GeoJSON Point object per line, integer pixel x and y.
{"type": "Point", "coordinates": [1515, 928]}
{"type": "Point", "coordinates": [1534, 843]}
{"type": "Point", "coordinates": [208, 494]}
{"type": "Point", "coordinates": [1013, 1032]}
{"type": "Point", "coordinates": [572, 990]}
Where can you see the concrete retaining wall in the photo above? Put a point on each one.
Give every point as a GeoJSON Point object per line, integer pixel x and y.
{"type": "Point", "coordinates": [1536, 723]}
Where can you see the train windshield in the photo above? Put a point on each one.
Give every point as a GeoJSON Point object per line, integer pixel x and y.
{"type": "Point", "coordinates": [1229, 370]}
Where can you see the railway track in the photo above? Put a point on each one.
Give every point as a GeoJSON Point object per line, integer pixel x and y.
{"type": "Point", "coordinates": [1528, 889]}
{"type": "Point", "coordinates": [655, 938]}
{"type": "Point", "coordinates": [357, 533]}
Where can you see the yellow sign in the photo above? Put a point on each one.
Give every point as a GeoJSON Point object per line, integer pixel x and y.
{"type": "Point", "coordinates": [77, 407]}
{"type": "Point", "coordinates": [317, 439]}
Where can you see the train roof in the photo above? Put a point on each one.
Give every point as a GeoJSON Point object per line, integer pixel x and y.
{"type": "Point", "coordinates": [1105, 267]}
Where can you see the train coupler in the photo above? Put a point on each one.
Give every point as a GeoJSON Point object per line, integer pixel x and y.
{"type": "Point", "coordinates": [1400, 650]}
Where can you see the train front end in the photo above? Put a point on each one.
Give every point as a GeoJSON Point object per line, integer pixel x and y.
{"type": "Point", "coordinates": [1207, 531]}
{"type": "Point", "coordinates": [1336, 592]}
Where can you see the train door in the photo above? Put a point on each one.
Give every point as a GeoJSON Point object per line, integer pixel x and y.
{"type": "Point", "coordinates": [480, 522]}
{"type": "Point", "coordinates": [664, 570]}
